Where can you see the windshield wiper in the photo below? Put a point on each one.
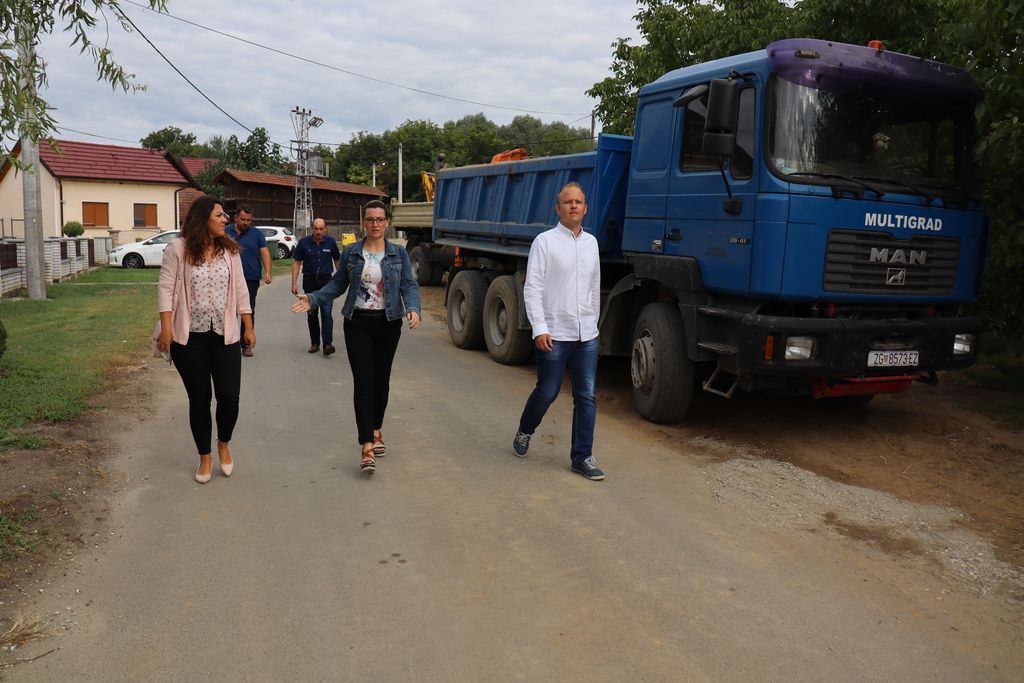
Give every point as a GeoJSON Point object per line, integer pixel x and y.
{"type": "Point", "coordinates": [853, 181]}
{"type": "Point", "coordinates": [892, 181]}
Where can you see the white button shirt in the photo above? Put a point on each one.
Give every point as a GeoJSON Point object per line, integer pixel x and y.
{"type": "Point", "coordinates": [563, 285]}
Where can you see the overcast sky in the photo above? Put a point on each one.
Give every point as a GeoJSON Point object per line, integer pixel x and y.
{"type": "Point", "coordinates": [530, 55]}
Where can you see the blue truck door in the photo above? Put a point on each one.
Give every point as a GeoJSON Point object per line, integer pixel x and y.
{"type": "Point", "coordinates": [696, 223]}
{"type": "Point", "coordinates": [650, 165]}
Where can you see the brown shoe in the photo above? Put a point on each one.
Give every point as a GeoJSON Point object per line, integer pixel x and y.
{"type": "Point", "coordinates": [328, 350]}
{"type": "Point", "coordinates": [247, 352]}
{"type": "Point", "coordinates": [378, 445]}
{"type": "Point", "coordinates": [367, 464]}
{"type": "Point", "coordinates": [313, 348]}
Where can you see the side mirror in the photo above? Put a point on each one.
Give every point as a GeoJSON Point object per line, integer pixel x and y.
{"type": "Point", "coordinates": [720, 125]}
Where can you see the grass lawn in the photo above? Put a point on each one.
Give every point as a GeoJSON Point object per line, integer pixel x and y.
{"type": "Point", "coordinates": [63, 349]}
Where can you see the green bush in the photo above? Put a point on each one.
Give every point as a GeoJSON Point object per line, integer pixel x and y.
{"type": "Point", "coordinates": [73, 229]}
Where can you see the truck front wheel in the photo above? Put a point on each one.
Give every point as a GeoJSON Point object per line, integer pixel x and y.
{"type": "Point", "coordinates": [506, 343]}
{"type": "Point", "coordinates": [465, 306]}
{"type": "Point", "coordinates": [661, 371]}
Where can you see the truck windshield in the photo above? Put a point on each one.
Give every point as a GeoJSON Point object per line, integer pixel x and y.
{"type": "Point", "coordinates": [871, 137]}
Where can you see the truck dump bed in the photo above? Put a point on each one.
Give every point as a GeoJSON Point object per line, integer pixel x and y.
{"type": "Point", "coordinates": [501, 207]}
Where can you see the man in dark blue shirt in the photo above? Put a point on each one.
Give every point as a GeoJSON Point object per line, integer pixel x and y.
{"type": "Point", "coordinates": [316, 253]}
{"type": "Point", "coordinates": [254, 250]}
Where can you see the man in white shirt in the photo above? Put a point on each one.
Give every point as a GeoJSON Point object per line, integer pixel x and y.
{"type": "Point", "coordinates": [563, 302]}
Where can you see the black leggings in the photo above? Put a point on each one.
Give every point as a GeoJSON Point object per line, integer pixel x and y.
{"type": "Point", "coordinates": [205, 356]}
{"type": "Point", "coordinates": [371, 341]}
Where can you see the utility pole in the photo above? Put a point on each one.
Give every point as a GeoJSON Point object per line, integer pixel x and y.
{"type": "Point", "coordinates": [35, 258]}
{"type": "Point", "coordinates": [399, 172]}
{"type": "Point", "coordinates": [303, 120]}
{"type": "Point", "coordinates": [593, 126]}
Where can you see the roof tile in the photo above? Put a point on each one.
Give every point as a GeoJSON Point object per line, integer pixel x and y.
{"type": "Point", "coordinates": [109, 162]}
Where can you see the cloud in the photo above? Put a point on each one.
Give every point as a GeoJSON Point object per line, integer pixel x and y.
{"type": "Point", "coordinates": [530, 54]}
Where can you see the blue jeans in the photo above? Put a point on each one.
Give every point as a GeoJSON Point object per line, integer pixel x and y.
{"type": "Point", "coordinates": [319, 316]}
{"type": "Point", "coordinates": [581, 358]}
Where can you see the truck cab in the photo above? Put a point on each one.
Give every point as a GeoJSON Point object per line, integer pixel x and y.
{"type": "Point", "coordinates": [822, 202]}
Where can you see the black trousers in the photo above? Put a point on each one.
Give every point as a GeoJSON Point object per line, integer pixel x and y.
{"type": "Point", "coordinates": [371, 342]}
{"type": "Point", "coordinates": [206, 357]}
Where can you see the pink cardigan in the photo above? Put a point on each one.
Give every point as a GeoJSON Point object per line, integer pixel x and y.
{"type": "Point", "coordinates": [176, 299]}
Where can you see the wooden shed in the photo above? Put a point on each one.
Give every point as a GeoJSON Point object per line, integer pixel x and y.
{"type": "Point", "coordinates": [272, 197]}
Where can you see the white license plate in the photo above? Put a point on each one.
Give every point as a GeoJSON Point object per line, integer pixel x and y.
{"type": "Point", "coordinates": [892, 359]}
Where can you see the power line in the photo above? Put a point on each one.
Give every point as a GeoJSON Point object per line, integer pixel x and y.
{"type": "Point", "coordinates": [187, 80]}
{"type": "Point", "coordinates": [351, 73]}
{"type": "Point", "coordinates": [94, 135]}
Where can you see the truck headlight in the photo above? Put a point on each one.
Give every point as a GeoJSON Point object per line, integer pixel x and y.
{"type": "Point", "coordinates": [800, 348]}
{"type": "Point", "coordinates": [963, 344]}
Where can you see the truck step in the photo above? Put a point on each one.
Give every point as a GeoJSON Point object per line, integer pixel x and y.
{"type": "Point", "coordinates": [714, 312]}
{"type": "Point", "coordinates": [719, 348]}
{"type": "Point", "coordinates": [718, 383]}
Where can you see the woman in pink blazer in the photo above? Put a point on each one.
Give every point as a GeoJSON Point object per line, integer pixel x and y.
{"type": "Point", "coordinates": [201, 295]}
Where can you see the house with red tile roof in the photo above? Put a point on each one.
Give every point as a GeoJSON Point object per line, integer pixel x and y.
{"type": "Point", "coordinates": [127, 192]}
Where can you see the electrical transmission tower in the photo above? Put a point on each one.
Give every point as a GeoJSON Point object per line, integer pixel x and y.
{"type": "Point", "coordinates": [306, 167]}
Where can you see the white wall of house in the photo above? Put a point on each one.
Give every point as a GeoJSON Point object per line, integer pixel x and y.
{"type": "Point", "coordinates": [121, 199]}
{"type": "Point", "coordinates": [12, 204]}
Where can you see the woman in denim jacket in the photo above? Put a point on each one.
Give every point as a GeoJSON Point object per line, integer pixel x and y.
{"type": "Point", "coordinates": [381, 291]}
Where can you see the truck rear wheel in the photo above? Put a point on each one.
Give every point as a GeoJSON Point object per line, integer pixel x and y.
{"type": "Point", "coordinates": [422, 268]}
{"type": "Point", "coordinates": [466, 309]}
{"type": "Point", "coordinates": [661, 371]}
{"type": "Point", "coordinates": [506, 343]}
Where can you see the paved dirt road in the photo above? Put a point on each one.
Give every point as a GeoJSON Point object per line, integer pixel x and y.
{"type": "Point", "coordinates": [458, 561]}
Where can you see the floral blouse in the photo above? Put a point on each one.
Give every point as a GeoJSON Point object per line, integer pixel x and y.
{"type": "Point", "coordinates": [209, 295]}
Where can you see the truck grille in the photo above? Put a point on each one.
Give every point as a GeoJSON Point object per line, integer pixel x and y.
{"type": "Point", "coordinates": [876, 263]}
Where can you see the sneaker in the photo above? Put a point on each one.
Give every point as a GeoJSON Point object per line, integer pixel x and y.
{"type": "Point", "coordinates": [588, 468]}
{"type": "Point", "coordinates": [521, 444]}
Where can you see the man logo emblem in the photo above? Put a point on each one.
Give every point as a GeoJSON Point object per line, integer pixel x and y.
{"type": "Point", "coordinates": [896, 277]}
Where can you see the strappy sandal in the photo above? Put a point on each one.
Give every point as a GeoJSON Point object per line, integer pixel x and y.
{"type": "Point", "coordinates": [378, 445]}
{"type": "Point", "coordinates": [368, 464]}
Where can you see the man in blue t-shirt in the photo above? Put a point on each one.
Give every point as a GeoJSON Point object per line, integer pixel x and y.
{"type": "Point", "coordinates": [254, 250]}
{"type": "Point", "coordinates": [318, 256]}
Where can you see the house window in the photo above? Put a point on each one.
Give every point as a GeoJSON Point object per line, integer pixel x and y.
{"type": "Point", "coordinates": [95, 213]}
{"type": "Point", "coordinates": [145, 215]}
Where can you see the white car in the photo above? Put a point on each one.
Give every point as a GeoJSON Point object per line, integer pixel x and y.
{"type": "Point", "coordinates": [141, 254]}
{"type": "Point", "coordinates": [286, 239]}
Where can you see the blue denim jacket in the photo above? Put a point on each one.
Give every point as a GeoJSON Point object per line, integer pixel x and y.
{"type": "Point", "coordinates": [401, 293]}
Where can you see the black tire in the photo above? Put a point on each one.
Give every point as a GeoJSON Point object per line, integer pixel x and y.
{"type": "Point", "coordinates": [282, 251]}
{"type": "Point", "coordinates": [465, 306]}
{"type": "Point", "coordinates": [422, 269]}
{"type": "Point", "coordinates": [133, 261]}
{"type": "Point", "coordinates": [506, 343]}
{"type": "Point", "coordinates": [437, 274]}
{"type": "Point", "coordinates": [660, 368]}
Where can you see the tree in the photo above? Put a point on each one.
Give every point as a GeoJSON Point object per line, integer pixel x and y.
{"type": "Point", "coordinates": [255, 153]}
{"type": "Point", "coordinates": [171, 139]}
{"type": "Point", "coordinates": [27, 113]}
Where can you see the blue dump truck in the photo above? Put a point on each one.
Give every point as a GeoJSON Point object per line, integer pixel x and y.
{"type": "Point", "coordinates": [803, 219]}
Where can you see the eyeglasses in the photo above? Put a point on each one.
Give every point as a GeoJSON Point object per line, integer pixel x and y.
{"type": "Point", "coordinates": [374, 219]}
